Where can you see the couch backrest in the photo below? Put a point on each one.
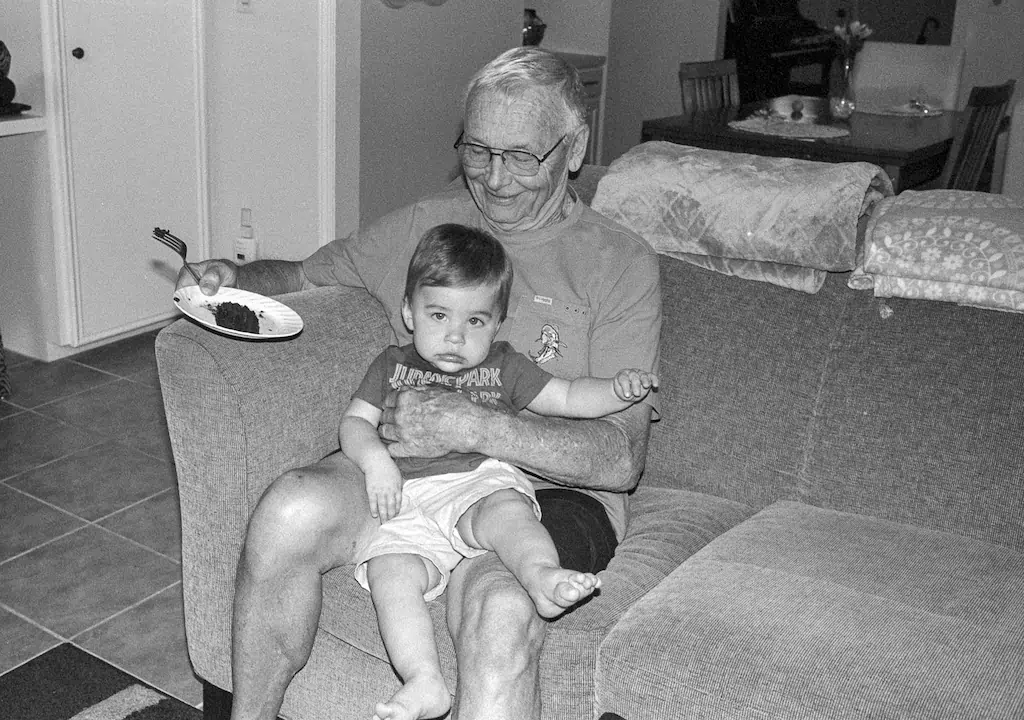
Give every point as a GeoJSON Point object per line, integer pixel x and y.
{"type": "Point", "coordinates": [770, 394]}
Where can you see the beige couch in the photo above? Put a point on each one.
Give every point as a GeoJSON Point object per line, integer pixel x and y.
{"type": "Point", "coordinates": [831, 523]}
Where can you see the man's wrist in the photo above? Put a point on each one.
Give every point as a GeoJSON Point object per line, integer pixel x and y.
{"type": "Point", "coordinates": [483, 426]}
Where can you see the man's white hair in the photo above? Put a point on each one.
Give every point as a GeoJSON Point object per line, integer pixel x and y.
{"type": "Point", "coordinates": [516, 71]}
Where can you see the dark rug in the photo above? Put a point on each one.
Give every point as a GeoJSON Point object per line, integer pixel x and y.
{"type": "Point", "coordinates": [67, 683]}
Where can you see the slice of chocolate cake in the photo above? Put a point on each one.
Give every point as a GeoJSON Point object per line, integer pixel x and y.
{"type": "Point", "coordinates": [236, 317]}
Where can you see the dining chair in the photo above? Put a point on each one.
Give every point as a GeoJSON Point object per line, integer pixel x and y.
{"type": "Point", "coordinates": [887, 75]}
{"type": "Point", "coordinates": [709, 85]}
{"type": "Point", "coordinates": [975, 136]}
{"type": "Point", "coordinates": [1012, 176]}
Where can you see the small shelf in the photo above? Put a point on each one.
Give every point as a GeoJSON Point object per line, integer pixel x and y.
{"type": "Point", "coordinates": [21, 124]}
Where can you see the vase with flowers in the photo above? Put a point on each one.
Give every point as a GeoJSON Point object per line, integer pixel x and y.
{"type": "Point", "coordinates": [849, 39]}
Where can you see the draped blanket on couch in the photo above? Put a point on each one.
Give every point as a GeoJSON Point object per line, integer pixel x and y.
{"type": "Point", "coordinates": [778, 220]}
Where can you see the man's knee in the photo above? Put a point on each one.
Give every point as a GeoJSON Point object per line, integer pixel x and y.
{"type": "Point", "coordinates": [300, 518]}
{"type": "Point", "coordinates": [498, 619]}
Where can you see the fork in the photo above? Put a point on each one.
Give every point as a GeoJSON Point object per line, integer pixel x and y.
{"type": "Point", "coordinates": [177, 245]}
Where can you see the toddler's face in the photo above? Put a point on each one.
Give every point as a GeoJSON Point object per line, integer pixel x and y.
{"type": "Point", "coordinates": [452, 327]}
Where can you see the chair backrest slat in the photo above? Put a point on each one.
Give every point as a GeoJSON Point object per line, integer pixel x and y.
{"type": "Point", "coordinates": [709, 85]}
{"type": "Point", "coordinates": [976, 136]}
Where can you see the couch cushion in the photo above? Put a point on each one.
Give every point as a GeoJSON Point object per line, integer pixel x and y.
{"type": "Point", "coordinates": [802, 612]}
{"type": "Point", "coordinates": [921, 418]}
{"type": "Point", "coordinates": [665, 527]}
{"type": "Point", "coordinates": [741, 366]}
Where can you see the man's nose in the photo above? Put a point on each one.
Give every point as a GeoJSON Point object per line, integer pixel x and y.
{"type": "Point", "coordinates": [497, 173]}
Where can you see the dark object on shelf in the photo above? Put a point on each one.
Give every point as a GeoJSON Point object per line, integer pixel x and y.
{"type": "Point", "coordinates": [7, 87]}
{"type": "Point", "coordinates": [5, 60]}
{"type": "Point", "coordinates": [13, 109]}
{"type": "Point", "coordinates": [7, 91]}
{"type": "Point", "coordinates": [533, 28]}
{"type": "Point", "coordinates": [930, 23]}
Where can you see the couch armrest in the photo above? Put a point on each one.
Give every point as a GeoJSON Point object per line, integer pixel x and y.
{"type": "Point", "coordinates": [239, 414]}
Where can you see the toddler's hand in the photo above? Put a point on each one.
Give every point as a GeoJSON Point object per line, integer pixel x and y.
{"type": "Point", "coordinates": [384, 491]}
{"type": "Point", "coordinates": [632, 385]}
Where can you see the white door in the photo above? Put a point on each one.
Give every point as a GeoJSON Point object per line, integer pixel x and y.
{"type": "Point", "coordinates": [134, 148]}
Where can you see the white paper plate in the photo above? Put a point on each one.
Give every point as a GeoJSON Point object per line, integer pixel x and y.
{"type": "Point", "coordinates": [276, 320]}
{"type": "Point", "coordinates": [922, 110]}
{"type": "Point", "coordinates": [904, 110]}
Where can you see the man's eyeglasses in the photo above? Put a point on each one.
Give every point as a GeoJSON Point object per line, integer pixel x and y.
{"type": "Point", "coordinates": [518, 162]}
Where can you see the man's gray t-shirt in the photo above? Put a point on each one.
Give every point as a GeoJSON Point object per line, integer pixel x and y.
{"type": "Point", "coordinates": [586, 295]}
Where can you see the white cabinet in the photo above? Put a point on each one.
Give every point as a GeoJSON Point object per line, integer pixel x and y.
{"type": "Point", "coordinates": [132, 146]}
{"type": "Point", "coordinates": [120, 151]}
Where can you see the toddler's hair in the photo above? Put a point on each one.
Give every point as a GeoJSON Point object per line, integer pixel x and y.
{"type": "Point", "coordinates": [452, 255]}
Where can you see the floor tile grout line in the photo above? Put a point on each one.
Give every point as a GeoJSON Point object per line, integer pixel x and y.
{"type": "Point", "coordinates": [98, 369]}
{"type": "Point", "coordinates": [30, 659]}
{"type": "Point", "coordinates": [87, 523]}
{"type": "Point", "coordinates": [123, 610]}
{"type": "Point", "coordinates": [47, 503]}
{"type": "Point", "coordinates": [102, 438]}
{"type": "Point", "coordinates": [128, 672]}
{"type": "Point", "coordinates": [30, 621]}
{"type": "Point", "coordinates": [39, 410]}
{"type": "Point", "coordinates": [137, 544]}
{"type": "Point", "coordinates": [43, 544]}
{"type": "Point", "coordinates": [113, 379]}
{"type": "Point", "coordinates": [59, 421]}
{"type": "Point", "coordinates": [112, 513]}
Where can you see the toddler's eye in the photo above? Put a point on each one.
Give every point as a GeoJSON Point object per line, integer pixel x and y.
{"type": "Point", "coordinates": [437, 316]}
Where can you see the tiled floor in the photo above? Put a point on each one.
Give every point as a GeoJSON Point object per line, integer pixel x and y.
{"type": "Point", "coordinates": [89, 523]}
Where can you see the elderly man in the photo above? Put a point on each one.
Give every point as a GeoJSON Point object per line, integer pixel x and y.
{"type": "Point", "coordinates": [586, 300]}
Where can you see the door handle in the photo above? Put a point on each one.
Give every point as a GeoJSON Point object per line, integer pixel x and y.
{"type": "Point", "coordinates": [78, 53]}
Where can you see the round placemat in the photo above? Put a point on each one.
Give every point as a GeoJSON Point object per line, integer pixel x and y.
{"type": "Point", "coordinates": [787, 128]}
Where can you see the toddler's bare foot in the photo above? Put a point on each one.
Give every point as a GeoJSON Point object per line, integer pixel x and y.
{"type": "Point", "coordinates": [555, 589]}
{"type": "Point", "coordinates": [424, 696]}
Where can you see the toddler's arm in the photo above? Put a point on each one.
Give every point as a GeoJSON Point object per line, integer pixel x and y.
{"type": "Point", "coordinates": [589, 397]}
{"type": "Point", "coordinates": [360, 442]}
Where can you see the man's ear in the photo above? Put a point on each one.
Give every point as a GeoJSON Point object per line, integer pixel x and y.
{"type": "Point", "coordinates": [578, 150]}
{"type": "Point", "coordinates": [407, 314]}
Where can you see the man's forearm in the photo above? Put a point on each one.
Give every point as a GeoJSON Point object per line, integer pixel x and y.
{"type": "Point", "coordinates": [603, 454]}
{"type": "Point", "coordinates": [272, 277]}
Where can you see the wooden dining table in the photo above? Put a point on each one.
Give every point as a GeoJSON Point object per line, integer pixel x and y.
{"type": "Point", "coordinates": [911, 149]}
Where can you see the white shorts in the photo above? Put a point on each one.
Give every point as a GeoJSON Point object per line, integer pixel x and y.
{"type": "Point", "coordinates": [431, 508]}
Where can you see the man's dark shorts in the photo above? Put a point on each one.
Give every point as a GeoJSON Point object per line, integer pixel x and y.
{"type": "Point", "coordinates": [580, 527]}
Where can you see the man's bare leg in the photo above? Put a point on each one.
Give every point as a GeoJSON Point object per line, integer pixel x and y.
{"type": "Point", "coordinates": [308, 521]}
{"type": "Point", "coordinates": [498, 637]}
{"type": "Point", "coordinates": [397, 585]}
{"type": "Point", "coordinates": [504, 522]}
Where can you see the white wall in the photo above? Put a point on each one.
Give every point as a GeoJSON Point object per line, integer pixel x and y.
{"type": "Point", "coordinates": [347, 116]}
{"type": "Point", "coordinates": [644, 52]}
{"type": "Point", "coordinates": [416, 61]}
{"type": "Point", "coordinates": [262, 101]}
{"type": "Point", "coordinates": [993, 39]}
{"type": "Point", "coordinates": [575, 27]}
{"type": "Point", "coordinates": [27, 268]}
